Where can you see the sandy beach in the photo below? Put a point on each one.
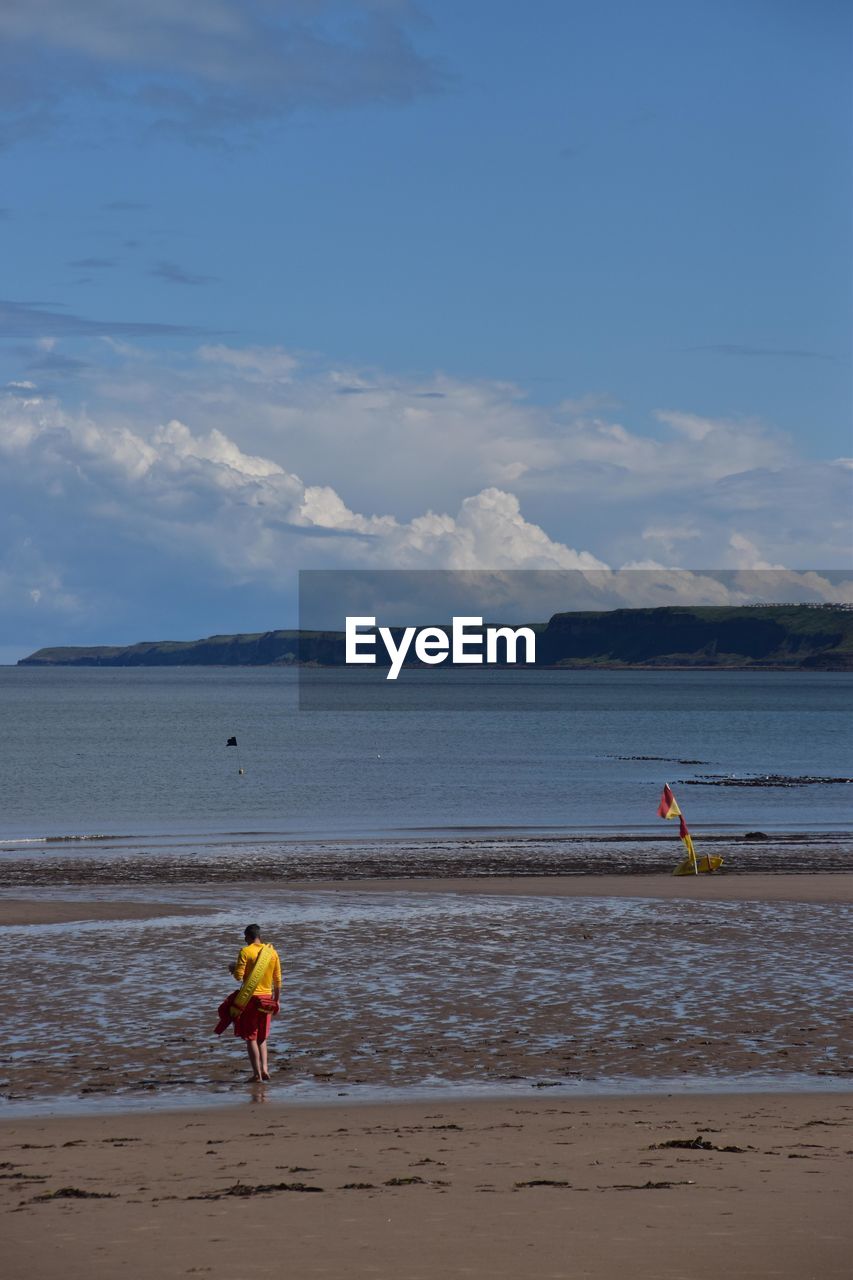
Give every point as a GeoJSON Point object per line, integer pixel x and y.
{"type": "Point", "coordinates": [600, 1018]}
{"type": "Point", "coordinates": [750, 1186]}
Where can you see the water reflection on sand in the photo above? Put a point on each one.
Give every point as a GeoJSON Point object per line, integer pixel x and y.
{"type": "Point", "coordinates": [402, 989]}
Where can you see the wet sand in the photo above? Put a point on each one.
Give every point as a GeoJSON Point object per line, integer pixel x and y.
{"type": "Point", "coordinates": [545, 990]}
{"type": "Point", "coordinates": [137, 862]}
{"type": "Point", "coordinates": [625, 983]}
{"type": "Point", "coordinates": [499, 1191]}
{"type": "Point", "coordinates": [29, 911]}
{"type": "Point", "coordinates": [750, 886]}
{"type": "Point", "coordinates": [746, 887]}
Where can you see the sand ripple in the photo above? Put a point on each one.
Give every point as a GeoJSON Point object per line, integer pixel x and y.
{"type": "Point", "coordinates": [401, 989]}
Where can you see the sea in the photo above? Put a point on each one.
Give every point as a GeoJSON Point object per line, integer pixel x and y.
{"type": "Point", "coordinates": [140, 753]}
{"type": "Point", "coordinates": [118, 785]}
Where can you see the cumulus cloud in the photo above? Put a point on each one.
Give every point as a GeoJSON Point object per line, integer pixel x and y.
{"type": "Point", "coordinates": [403, 447]}
{"type": "Point", "coordinates": [396, 439]}
{"type": "Point", "coordinates": [227, 469]}
{"type": "Point", "coordinates": [239, 514]}
{"type": "Point", "coordinates": [748, 555]}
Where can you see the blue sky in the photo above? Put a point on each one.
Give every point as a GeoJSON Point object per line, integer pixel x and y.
{"type": "Point", "coordinates": [584, 268]}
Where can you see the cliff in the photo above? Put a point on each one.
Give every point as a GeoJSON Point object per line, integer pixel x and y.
{"type": "Point", "coordinates": [788, 637]}
{"type": "Point", "coordinates": [262, 648]}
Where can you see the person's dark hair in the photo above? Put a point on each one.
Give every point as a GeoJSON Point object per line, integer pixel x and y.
{"type": "Point", "coordinates": [252, 932]}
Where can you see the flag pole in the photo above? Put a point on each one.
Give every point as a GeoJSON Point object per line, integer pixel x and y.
{"type": "Point", "coordinates": [669, 808]}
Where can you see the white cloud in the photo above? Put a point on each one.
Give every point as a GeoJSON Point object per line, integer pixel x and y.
{"type": "Point", "coordinates": [670, 537]}
{"type": "Point", "coordinates": [688, 424]}
{"type": "Point", "coordinates": [176, 441]}
{"type": "Point", "coordinates": [747, 554]}
{"type": "Point", "coordinates": [489, 531]}
{"type": "Point", "coordinates": [268, 364]}
{"type": "Point", "coordinates": [246, 513]}
{"type": "Point", "coordinates": [267, 462]}
{"type": "Point", "coordinates": [402, 449]}
{"type": "Point", "coordinates": [395, 444]}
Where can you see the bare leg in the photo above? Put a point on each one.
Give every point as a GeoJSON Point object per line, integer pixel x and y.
{"type": "Point", "coordinates": [254, 1058]}
{"type": "Point", "coordinates": [265, 1071]}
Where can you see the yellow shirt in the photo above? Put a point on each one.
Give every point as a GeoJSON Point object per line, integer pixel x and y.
{"type": "Point", "coordinates": [246, 963]}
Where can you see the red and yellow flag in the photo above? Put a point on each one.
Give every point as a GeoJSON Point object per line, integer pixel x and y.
{"type": "Point", "coordinates": [686, 839]}
{"type": "Point", "coordinates": [690, 865]}
{"type": "Point", "coordinates": [668, 807]}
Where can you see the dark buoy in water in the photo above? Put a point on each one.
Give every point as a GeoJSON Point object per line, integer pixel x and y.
{"type": "Point", "coordinates": [232, 742]}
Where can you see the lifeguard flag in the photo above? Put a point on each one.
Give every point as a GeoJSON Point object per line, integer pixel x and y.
{"type": "Point", "coordinates": [686, 838]}
{"type": "Point", "coordinates": [689, 865]}
{"type": "Point", "coordinates": [668, 807]}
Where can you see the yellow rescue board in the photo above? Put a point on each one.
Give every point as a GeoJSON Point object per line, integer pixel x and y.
{"type": "Point", "coordinates": [710, 862]}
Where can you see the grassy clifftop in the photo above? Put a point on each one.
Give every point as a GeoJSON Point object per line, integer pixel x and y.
{"type": "Point", "coordinates": [798, 636]}
{"type": "Point", "coordinates": [261, 648]}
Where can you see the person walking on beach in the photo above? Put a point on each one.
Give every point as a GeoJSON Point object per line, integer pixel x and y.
{"type": "Point", "coordinates": [251, 1008]}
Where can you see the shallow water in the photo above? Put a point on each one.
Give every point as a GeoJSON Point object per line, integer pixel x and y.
{"type": "Point", "coordinates": [403, 991]}
{"type": "Point", "coordinates": [314, 1094]}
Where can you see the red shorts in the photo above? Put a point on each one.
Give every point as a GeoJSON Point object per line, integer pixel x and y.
{"type": "Point", "coordinates": [254, 1022]}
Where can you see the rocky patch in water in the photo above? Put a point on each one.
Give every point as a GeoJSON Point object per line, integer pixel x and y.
{"type": "Point", "coordinates": [761, 780]}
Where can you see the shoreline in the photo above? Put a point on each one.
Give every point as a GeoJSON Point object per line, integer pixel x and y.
{"type": "Point", "coordinates": [651, 833]}
{"type": "Point", "coordinates": [226, 1100]}
{"type": "Point", "coordinates": [475, 857]}
{"type": "Point", "coordinates": [19, 909]}
{"type": "Point", "coordinates": [836, 665]}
